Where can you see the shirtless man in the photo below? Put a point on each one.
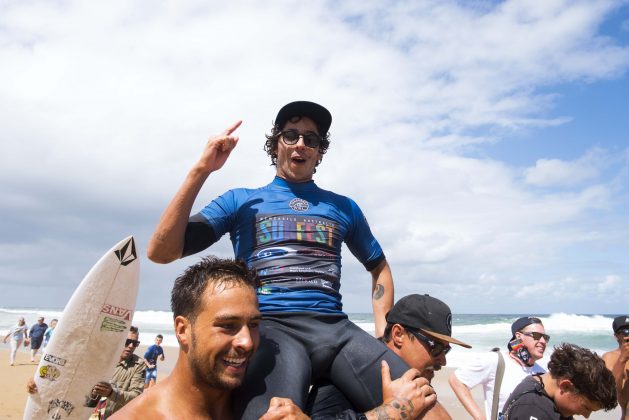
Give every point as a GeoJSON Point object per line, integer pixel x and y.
{"type": "Point", "coordinates": [216, 321]}
{"type": "Point", "coordinates": [618, 362]}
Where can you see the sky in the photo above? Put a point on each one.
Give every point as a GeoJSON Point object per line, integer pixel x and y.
{"type": "Point", "coordinates": [486, 142]}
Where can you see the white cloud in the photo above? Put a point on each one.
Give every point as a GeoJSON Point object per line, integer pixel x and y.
{"type": "Point", "coordinates": [611, 283]}
{"type": "Point", "coordinates": [557, 172]}
{"type": "Point", "coordinates": [106, 105]}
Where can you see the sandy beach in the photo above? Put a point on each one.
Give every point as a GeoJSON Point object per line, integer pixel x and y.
{"type": "Point", "coordinates": [13, 379]}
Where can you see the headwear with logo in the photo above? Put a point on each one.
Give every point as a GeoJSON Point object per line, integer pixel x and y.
{"type": "Point", "coordinates": [424, 313]}
{"type": "Point", "coordinates": [321, 116]}
{"type": "Point", "coordinates": [620, 322]}
{"type": "Point", "coordinates": [521, 323]}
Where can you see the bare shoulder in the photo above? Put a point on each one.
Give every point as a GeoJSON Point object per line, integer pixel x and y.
{"type": "Point", "coordinates": [610, 357]}
{"type": "Point", "coordinates": [146, 405]}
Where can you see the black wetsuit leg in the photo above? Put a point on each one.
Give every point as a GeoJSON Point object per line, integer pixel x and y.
{"type": "Point", "coordinates": [297, 348]}
{"type": "Point", "coordinates": [325, 401]}
{"type": "Point", "coordinates": [280, 368]}
{"type": "Point", "coordinates": [356, 368]}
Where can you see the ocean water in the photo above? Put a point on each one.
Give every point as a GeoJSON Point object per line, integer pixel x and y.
{"type": "Point", "coordinates": [481, 331]}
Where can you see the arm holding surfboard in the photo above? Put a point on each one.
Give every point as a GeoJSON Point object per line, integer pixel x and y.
{"type": "Point", "coordinates": [166, 244]}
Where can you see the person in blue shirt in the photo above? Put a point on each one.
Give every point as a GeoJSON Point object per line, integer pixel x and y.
{"type": "Point", "coordinates": [291, 232]}
{"type": "Point", "coordinates": [50, 331]}
{"type": "Point", "coordinates": [154, 352]}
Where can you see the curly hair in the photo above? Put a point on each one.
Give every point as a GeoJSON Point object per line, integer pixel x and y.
{"type": "Point", "coordinates": [270, 145]}
{"type": "Point", "coordinates": [587, 372]}
{"type": "Point", "coordinates": [189, 287]}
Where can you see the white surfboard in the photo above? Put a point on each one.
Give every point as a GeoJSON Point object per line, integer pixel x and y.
{"type": "Point", "coordinates": [89, 337]}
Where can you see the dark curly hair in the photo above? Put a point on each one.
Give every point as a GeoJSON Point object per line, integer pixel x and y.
{"type": "Point", "coordinates": [270, 145]}
{"type": "Point", "coordinates": [587, 372]}
{"type": "Point", "coordinates": [189, 287]}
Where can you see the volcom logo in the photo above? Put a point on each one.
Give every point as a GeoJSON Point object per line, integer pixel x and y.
{"type": "Point", "coordinates": [127, 253]}
{"type": "Point", "coordinates": [449, 323]}
{"type": "Point", "coordinates": [116, 311]}
{"type": "Point", "coordinates": [298, 204]}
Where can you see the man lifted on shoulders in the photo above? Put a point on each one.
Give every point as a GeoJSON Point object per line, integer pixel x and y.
{"type": "Point", "coordinates": [291, 232]}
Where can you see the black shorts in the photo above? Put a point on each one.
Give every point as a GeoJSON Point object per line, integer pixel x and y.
{"type": "Point", "coordinates": [298, 348]}
{"type": "Point", "coordinates": [36, 342]}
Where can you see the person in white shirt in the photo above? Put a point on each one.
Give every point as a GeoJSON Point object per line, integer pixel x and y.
{"type": "Point", "coordinates": [17, 334]}
{"type": "Point", "coordinates": [520, 362]}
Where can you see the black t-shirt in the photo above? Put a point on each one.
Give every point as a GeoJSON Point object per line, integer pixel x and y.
{"type": "Point", "coordinates": [529, 401]}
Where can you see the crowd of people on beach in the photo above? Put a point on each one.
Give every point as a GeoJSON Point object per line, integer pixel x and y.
{"type": "Point", "coordinates": [264, 335]}
{"type": "Point", "coordinates": [37, 337]}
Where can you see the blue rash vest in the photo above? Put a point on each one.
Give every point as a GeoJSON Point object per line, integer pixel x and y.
{"type": "Point", "coordinates": [291, 233]}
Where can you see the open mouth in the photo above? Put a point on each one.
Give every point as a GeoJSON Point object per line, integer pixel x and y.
{"type": "Point", "coordinates": [235, 362]}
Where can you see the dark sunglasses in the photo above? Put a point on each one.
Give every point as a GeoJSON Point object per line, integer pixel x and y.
{"type": "Point", "coordinates": [130, 341]}
{"type": "Point", "coordinates": [311, 139]}
{"type": "Point", "coordinates": [436, 347]}
{"type": "Point", "coordinates": [537, 336]}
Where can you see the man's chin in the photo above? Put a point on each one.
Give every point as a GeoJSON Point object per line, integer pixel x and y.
{"type": "Point", "coordinates": [428, 374]}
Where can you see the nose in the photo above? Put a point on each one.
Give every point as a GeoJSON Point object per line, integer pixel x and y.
{"type": "Point", "coordinates": [300, 142]}
{"type": "Point", "coordinates": [441, 359]}
{"type": "Point", "coordinates": [245, 339]}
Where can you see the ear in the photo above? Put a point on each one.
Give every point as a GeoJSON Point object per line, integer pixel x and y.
{"type": "Point", "coordinates": [398, 335]}
{"type": "Point", "coordinates": [183, 331]}
{"type": "Point", "coordinates": [565, 386]}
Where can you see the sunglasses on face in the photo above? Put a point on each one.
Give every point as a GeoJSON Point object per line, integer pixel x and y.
{"type": "Point", "coordinates": [135, 343]}
{"type": "Point", "coordinates": [311, 139]}
{"type": "Point", "coordinates": [537, 336]}
{"type": "Point", "coordinates": [436, 347]}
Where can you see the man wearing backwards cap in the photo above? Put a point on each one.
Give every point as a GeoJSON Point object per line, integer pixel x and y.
{"type": "Point", "coordinates": [291, 232]}
{"type": "Point", "coordinates": [419, 329]}
{"type": "Point", "coordinates": [618, 362]}
{"type": "Point", "coordinates": [520, 362]}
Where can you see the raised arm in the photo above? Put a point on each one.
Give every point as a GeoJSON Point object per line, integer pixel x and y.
{"type": "Point", "coordinates": [381, 295]}
{"type": "Point", "coordinates": [464, 395]}
{"type": "Point", "coordinates": [166, 244]}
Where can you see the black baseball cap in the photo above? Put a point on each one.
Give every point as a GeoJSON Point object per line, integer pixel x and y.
{"type": "Point", "coordinates": [321, 116]}
{"type": "Point", "coordinates": [425, 313]}
{"type": "Point", "coordinates": [521, 323]}
{"type": "Point", "coordinates": [620, 322]}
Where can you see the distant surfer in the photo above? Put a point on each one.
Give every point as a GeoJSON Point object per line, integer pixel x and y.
{"type": "Point", "coordinates": [291, 232]}
{"type": "Point", "coordinates": [618, 362]}
{"type": "Point", "coordinates": [151, 355]}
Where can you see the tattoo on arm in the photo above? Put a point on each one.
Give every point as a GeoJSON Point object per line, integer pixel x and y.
{"type": "Point", "coordinates": [396, 409]}
{"type": "Point", "coordinates": [378, 292]}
